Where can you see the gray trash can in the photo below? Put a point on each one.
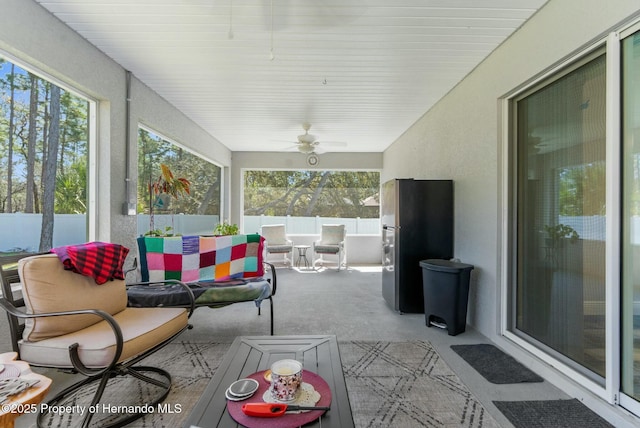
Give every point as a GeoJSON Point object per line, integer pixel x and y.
{"type": "Point", "coordinates": [446, 293]}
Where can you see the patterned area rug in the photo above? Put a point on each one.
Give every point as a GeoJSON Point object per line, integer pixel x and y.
{"type": "Point", "coordinates": [406, 384]}
{"type": "Point", "coordinates": [390, 384]}
{"type": "Point", "coordinates": [191, 366]}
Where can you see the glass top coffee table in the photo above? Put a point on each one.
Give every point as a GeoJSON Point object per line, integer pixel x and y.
{"type": "Point", "coordinates": [251, 354]}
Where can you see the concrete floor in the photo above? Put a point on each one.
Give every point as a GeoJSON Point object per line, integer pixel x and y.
{"type": "Point", "coordinates": [348, 304]}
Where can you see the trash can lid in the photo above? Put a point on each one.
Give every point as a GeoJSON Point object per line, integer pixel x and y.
{"type": "Point", "coordinates": [441, 265]}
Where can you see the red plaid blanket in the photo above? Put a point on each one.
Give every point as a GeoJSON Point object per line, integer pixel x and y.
{"type": "Point", "coordinates": [100, 260]}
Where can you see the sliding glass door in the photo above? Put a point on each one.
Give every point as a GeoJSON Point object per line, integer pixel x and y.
{"type": "Point", "coordinates": [630, 363]}
{"type": "Point", "coordinates": [575, 291]}
{"type": "Point", "coordinates": [561, 214]}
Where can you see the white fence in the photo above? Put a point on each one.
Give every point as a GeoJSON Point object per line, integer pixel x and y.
{"type": "Point", "coordinates": [179, 223]}
{"type": "Point", "coordinates": [313, 225]}
{"type": "Point", "coordinates": [22, 231]}
{"type": "Point", "coordinates": [593, 228]}
{"type": "Point", "coordinates": [204, 225]}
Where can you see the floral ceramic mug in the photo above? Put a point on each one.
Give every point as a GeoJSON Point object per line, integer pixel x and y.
{"type": "Point", "coordinates": [286, 378]}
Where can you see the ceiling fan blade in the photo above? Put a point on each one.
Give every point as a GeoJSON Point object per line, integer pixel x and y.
{"type": "Point", "coordinates": [308, 144]}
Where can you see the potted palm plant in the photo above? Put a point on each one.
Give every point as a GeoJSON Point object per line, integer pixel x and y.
{"type": "Point", "coordinates": [164, 187]}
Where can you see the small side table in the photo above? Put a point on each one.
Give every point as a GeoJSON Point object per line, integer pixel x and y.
{"type": "Point", "coordinates": [31, 396]}
{"type": "Point", "coordinates": [302, 255]}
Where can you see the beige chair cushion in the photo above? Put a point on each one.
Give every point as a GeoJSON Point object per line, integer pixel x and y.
{"type": "Point", "coordinates": [47, 287]}
{"type": "Point", "coordinates": [275, 234]}
{"type": "Point", "coordinates": [332, 234]}
{"type": "Point", "coordinates": [142, 329]}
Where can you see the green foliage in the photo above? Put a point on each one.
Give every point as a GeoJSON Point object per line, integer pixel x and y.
{"type": "Point", "coordinates": [203, 176]}
{"type": "Point", "coordinates": [311, 193]}
{"type": "Point", "coordinates": [166, 184]}
{"type": "Point", "coordinates": [169, 184]}
{"type": "Point", "coordinates": [558, 232]}
{"type": "Point", "coordinates": [71, 190]}
{"type": "Point", "coordinates": [167, 231]}
{"type": "Point", "coordinates": [71, 162]}
{"type": "Point", "coordinates": [225, 228]}
{"type": "Point", "coordinates": [582, 190]}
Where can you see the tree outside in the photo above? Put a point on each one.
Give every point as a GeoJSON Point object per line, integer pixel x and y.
{"type": "Point", "coordinates": [311, 193]}
{"type": "Point", "coordinates": [43, 149]}
{"type": "Point", "coordinates": [204, 177]}
{"type": "Point", "coordinates": [581, 191]}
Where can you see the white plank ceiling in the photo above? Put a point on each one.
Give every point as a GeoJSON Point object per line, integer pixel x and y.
{"type": "Point", "coordinates": [250, 72]}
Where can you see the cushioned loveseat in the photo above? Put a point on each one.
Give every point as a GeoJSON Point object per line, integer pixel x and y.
{"type": "Point", "coordinates": [219, 270]}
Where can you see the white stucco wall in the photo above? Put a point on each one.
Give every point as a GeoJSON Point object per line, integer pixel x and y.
{"type": "Point", "coordinates": [36, 39]}
{"type": "Point", "coordinates": [459, 137]}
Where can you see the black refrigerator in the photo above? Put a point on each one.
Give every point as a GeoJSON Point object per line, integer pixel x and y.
{"type": "Point", "coordinates": [417, 224]}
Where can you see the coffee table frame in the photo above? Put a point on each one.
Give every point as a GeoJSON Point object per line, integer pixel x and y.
{"type": "Point", "coordinates": [250, 354]}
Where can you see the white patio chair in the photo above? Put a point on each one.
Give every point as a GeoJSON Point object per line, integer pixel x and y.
{"type": "Point", "coordinates": [332, 243]}
{"type": "Point", "coordinates": [276, 242]}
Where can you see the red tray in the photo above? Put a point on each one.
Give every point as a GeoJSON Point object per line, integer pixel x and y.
{"type": "Point", "coordinates": [288, 420]}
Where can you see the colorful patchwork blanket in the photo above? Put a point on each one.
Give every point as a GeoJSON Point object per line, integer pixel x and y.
{"type": "Point", "coordinates": [201, 258]}
{"type": "Point", "coordinates": [219, 270]}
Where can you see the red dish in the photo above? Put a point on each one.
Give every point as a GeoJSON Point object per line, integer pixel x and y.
{"type": "Point", "coordinates": [288, 420]}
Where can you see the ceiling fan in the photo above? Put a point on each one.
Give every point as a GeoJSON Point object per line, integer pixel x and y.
{"type": "Point", "coordinates": [309, 144]}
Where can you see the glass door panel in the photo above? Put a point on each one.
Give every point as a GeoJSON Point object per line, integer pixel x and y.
{"type": "Point", "coordinates": [631, 217]}
{"type": "Point", "coordinates": [560, 291]}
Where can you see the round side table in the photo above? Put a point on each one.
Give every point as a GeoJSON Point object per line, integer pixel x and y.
{"type": "Point", "coordinates": [302, 255]}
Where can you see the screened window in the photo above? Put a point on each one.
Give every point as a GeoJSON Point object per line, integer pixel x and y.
{"type": "Point", "coordinates": [303, 200]}
{"type": "Point", "coordinates": [43, 162]}
{"type": "Point", "coordinates": [197, 212]}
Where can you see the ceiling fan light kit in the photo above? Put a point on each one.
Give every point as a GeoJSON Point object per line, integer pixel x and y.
{"type": "Point", "coordinates": [306, 138]}
{"type": "Point", "coordinates": [308, 143]}
{"type": "Point", "coordinates": [306, 148]}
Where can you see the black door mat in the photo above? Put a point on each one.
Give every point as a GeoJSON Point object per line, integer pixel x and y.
{"type": "Point", "coordinates": [495, 365]}
{"type": "Point", "coordinates": [550, 414]}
